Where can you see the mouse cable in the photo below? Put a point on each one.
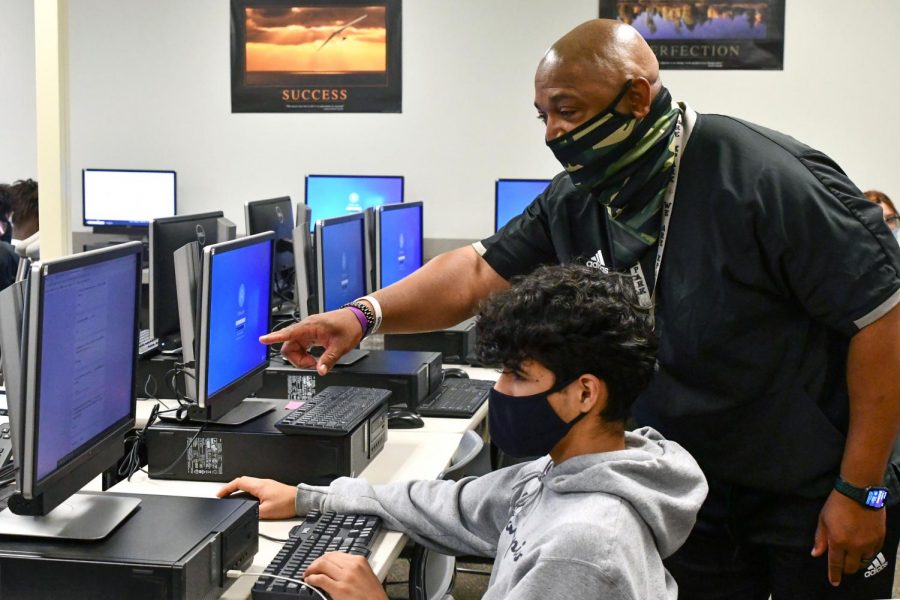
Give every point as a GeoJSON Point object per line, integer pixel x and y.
{"type": "Point", "coordinates": [131, 461]}
{"type": "Point", "coordinates": [234, 574]}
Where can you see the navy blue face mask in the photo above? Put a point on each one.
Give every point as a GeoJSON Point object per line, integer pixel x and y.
{"type": "Point", "coordinates": [527, 426]}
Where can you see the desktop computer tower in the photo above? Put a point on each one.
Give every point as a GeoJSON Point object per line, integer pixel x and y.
{"type": "Point", "coordinates": [257, 449]}
{"type": "Point", "coordinates": [171, 548]}
{"type": "Point", "coordinates": [410, 376]}
{"type": "Point", "coordinates": [456, 344]}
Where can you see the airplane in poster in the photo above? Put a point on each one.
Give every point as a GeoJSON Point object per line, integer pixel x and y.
{"type": "Point", "coordinates": [340, 29]}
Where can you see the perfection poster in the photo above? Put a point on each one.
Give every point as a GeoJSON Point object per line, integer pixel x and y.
{"type": "Point", "coordinates": [707, 35]}
{"type": "Point", "coordinates": [315, 56]}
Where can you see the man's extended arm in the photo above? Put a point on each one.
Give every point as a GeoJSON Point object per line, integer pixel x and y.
{"type": "Point", "coordinates": [850, 532]}
{"type": "Point", "coordinates": [445, 291]}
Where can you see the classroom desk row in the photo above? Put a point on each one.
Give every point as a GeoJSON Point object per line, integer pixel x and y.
{"type": "Point", "coordinates": [408, 454]}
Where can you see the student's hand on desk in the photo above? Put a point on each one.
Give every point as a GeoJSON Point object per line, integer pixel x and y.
{"type": "Point", "coordinates": [345, 577]}
{"type": "Point", "coordinates": [337, 331]}
{"type": "Point", "coordinates": [276, 500]}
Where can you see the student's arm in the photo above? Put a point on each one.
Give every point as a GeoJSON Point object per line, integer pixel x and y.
{"type": "Point", "coordinates": [450, 517]}
{"type": "Point", "coordinates": [850, 532]}
{"type": "Point", "coordinates": [445, 291]}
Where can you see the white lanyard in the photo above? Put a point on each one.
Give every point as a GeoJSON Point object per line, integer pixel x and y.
{"type": "Point", "coordinates": [637, 273]}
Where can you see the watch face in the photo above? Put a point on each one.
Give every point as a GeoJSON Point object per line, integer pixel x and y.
{"type": "Point", "coordinates": [875, 497]}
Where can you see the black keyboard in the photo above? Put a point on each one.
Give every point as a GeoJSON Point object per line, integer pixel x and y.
{"type": "Point", "coordinates": [456, 398]}
{"type": "Point", "coordinates": [336, 410]}
{"type": "Point", "coordinates": [7, 464]}
{"type": "Point", "coordinates": [319, 533]}
{"type": "Point", "coordinates": [147, 343]}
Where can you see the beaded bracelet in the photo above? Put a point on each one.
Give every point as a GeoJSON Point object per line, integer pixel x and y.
{"type": "Point", "coordinates": [366, 311]}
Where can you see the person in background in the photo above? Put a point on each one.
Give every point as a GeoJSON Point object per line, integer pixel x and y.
{"type": "Point", "coordinates": [596, 517]}
{"type": "Point", "coordinates": [9, 198]}
{"type": "Point", "coordinates": [5, 210]}
{"type": "Point", "coordinates": [25, 217]}
{"type": "Point", "coordinates": [891, 218]}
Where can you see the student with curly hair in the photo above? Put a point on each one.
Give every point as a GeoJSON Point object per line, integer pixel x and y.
{"type": "Point", "coordinates": [595, 516]}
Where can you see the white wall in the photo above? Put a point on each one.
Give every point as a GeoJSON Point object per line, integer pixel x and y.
{"type": "Point", "coordinates": [150, 88]}
{"type": "Point", "coordinates": [18, 149]}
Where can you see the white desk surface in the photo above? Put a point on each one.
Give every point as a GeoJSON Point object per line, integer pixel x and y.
{"type": "Point", "coordinates": [408, 454]}
{"type": "Point", "coordinates": [432, 424]}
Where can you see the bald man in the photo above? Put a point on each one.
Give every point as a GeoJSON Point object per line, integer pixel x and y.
{"type": "Point", "coordinates": [775, 287]}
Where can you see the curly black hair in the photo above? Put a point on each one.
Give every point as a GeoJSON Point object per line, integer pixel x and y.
{"type": "Point", "coordinates": [573, 320]}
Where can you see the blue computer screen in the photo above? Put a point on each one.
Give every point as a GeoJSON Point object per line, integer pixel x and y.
{"type": "Point", "coordinates": [400, 250]}
{"type": "Point", "coordinates": [330, 196]}
{"type": "Point", "coordinates": [513, 196]}
{"type": "Point", "coordinates": [238, 313]}
{"type": "Point", "coordinates": [343, 262]}
{"type": "Point", "coordinates": [85, 358]}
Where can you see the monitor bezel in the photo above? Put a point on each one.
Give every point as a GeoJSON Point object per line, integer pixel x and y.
{"type": "Point", "coordinates": [320, 258]}
{"type": "Point", "coordinates": [497, 195]}
{"type": "Point", "coordinates": [379, 211]}
{"type": "Point", "coordinates": [67, 479]}
{"type": "Point", "coordinates": [313, 221]}
{"type": "Point", "coordinates": [233, 393]}
{"type": "Point", "coordinates": [153, 271]}
{"type": "Point", "coordinates": [125, 226]}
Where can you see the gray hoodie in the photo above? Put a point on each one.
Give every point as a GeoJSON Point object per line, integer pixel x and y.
{"type": "Point", "coordinates": [595, 526]}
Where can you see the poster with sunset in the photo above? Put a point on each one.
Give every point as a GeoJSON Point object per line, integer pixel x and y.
{"type": "Point", "coordinates": [316, 56]}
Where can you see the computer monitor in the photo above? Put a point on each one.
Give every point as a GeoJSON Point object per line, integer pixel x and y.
{"type": "Point", "coordinates": [80, 327]}
{"type": "Point", "coordinates": [126, 200]}
{"type": "Point", "coordinates": [336, 195]}
{"type": "Point", "coordinates": [235, 287]}
{"type": "Point", "coordinates": [342, 261]}
{"type": "Point", "coordinates": [512, 196]}
{"type": "Point", "coordinates": [398, 242]}
{"type": "Point", "coordinates": [167, 236]}
{"type": "Point", "coordinates": [276, 214]}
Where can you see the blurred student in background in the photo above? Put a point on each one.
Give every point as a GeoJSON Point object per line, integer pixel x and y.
{"type": "Point", "coordinates": [891, 218]}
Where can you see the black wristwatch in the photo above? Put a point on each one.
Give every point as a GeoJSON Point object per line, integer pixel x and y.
{"type": "Point", "coordinates": [871, 497]}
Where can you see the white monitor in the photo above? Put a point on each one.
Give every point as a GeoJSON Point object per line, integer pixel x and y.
{"type": "Point", "coordinates": [126, 199]}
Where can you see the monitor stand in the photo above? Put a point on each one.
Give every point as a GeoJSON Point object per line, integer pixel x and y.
{"type": "Point", "coordinates": [83, 516]}
{"type": "Point", "coordinates": [244, 412]}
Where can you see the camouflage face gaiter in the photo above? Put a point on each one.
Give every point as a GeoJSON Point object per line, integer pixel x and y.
{"type": "Point", "coordinates": [626, 164]}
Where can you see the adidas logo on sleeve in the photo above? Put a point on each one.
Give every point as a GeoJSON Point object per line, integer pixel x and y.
{"type": "Point", "coordinates": [878, 564]}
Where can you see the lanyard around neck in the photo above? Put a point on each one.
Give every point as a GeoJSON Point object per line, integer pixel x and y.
{"type": "Point", "coordinates": [682, 132]}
